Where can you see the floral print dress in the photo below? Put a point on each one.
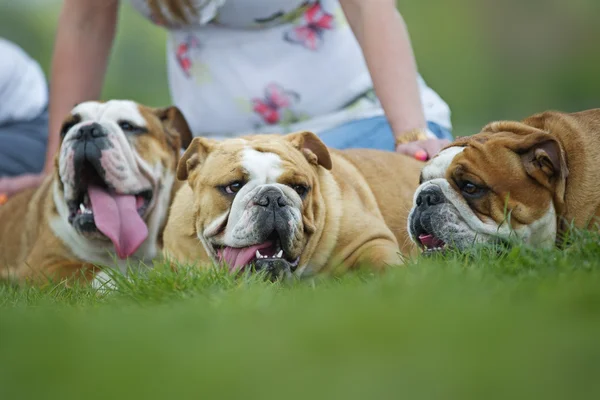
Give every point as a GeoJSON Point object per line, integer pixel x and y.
{"type": "Point", "coordinates": [244, 66]}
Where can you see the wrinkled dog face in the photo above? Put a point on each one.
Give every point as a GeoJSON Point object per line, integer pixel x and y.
{"type": "Point", "coordinates": [115, 171]}
{"type": "Point", "coordinates": [254, 198]}
{"type": "Point", "coordinates": [501, 184]}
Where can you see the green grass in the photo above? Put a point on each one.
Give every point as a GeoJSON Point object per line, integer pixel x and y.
{"type": "Point", "coordinates": [517, 324]}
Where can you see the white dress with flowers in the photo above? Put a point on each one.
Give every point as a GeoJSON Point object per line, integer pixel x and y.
{"type": "Point", "coordinates": [246, 66]}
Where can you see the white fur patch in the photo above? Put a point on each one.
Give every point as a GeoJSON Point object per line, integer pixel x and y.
{"type": "Point", "coordinates": [438, 166]}
{"type": "Point", "coordinates": [103, 282]}
{"type": "Point", "coordinates": [262, 168]}
{"type": "Point", "coordinates": [113, 110]}
{"type": "Point", "coordinates": [541, 233]}
{"type": "Point", "coordinates": [211, 230]}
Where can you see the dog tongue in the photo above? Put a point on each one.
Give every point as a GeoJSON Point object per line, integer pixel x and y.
{"type": "Point", "coordinates": [116, 216]}
{"type": "Point", "coordinates": [236, 258]}
{"type": "Point", "coordinates": [430, 241]}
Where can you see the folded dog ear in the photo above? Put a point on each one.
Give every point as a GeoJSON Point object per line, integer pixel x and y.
{"type": "Point", "coordinates": [171, 117]}
{"type": "Point", "coordinates": [544, 156]}
{"type": "Point", "coordinates": [541, 153]}
{"type": "Point", "coordinates": [312, 147]}
{"type": "Point", "coordinates": [544, 160]}
{"type": "Point", "coordinates": [195, 155]}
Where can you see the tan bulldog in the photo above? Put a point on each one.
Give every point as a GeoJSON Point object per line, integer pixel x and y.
{"type": "Point", "coordinates": [525, 180]}
{"type": "Point", "coordinates": [107, 199]}
{"type": "Point", "coordinates": [288, 205]}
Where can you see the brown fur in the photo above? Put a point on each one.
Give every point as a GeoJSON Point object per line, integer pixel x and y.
{"type": "Point", "coordinates": [548, 158]}
{"type": "Point", "coordinates": [31, 252]}
{"type": "Point", "coordinates": [354, 214]}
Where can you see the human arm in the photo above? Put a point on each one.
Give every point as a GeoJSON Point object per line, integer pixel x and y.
{"type": "Point", "coordinates": [382, 34]}
{"type": "Point", "coordinates": [85, 34]}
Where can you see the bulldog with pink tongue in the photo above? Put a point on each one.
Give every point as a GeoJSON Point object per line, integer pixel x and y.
{"type": "Point", "coordinates": [288, 205]}
{"type": "Point", "coordinates": [107, 202]}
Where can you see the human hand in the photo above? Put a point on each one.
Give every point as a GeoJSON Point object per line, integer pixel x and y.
{"type": "Point", "coordinates": [422, 150]}
{"type": "Point", "coordinates": [10, 186]}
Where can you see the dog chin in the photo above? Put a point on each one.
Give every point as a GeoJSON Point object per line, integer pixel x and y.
{"type": "Point", "coordinates": [447, 230]}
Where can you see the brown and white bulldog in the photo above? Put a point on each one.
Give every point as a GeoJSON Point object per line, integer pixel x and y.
{"type": "Point", "coordinates": [107, 199]}
{"type": "Point", "coordinates": [288, 205]}
{"type": "Point", "coordinates": [526, 180]}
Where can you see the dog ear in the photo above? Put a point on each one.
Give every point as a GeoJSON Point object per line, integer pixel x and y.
{"type": "Point", "coordinates": [312, 147]}
{"type": "Point", "coordinates": [172, 118]}
{"type": "Point", "coordinates": [542, 154]}
{"type": "Point", "coordinates": [544, 160]}
{"type": "Point", "coordinates": [194, 155]}
{"type": "Point", "coordinates": [519, 128]}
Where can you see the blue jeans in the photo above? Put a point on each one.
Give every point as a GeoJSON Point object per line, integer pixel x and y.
{"type": "Point", "coordinates": [23, 146]}
{"type": "Point", "coordinates": [371, 133]}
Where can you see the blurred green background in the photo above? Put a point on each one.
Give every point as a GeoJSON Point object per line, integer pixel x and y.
{"type": "Point", "coordinates": [488, 59]}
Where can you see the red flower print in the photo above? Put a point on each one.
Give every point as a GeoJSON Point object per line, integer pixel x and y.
{"type": "Point", "coordinates": [276, 99]}
{"type": "Point", "coordinates": [183, 53]}
{"type": "Point", "coordinates": [310, 32]}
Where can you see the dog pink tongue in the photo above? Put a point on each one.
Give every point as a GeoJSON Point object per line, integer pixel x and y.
{"type": "Point", "coordinates": [430, 241]}
{"type": "Point", "coordinates": [237, 258]}
{"type": "Point", "coordinates": [116, 216]}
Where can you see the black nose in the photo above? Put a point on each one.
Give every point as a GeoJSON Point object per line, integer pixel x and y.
{"type": "Point", "coordinates": [430, 196]}
{"type": "Point", "coordinates": [91, 132]}
{"type": "Point", "coordinates": [271, 197]}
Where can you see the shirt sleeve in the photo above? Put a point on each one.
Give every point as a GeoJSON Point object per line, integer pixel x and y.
{"type": "Point", "coordinates": [23, 89]}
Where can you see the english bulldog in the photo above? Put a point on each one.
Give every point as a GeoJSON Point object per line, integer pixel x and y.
{"type": "Point", "coordinates": [525, 181]}
{"type": "Point", "coordinates": [107, 200]}
{"type": "Point", "coordinates": [290, 206]}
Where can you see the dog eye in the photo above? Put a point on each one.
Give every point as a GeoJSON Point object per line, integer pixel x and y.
{"type": "Point", "coordinates": [233, 187]}
{"type": "Point", "coordinates": [126, 126]}
{"type": "Point", "coordinates": [131, 128]}
{"type": "Point", "coordinates": [300, 189]}
{"type": "Point", "coordinates": [471, 190]}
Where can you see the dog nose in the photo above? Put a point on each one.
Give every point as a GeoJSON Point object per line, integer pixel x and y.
{"type": "Point", "coordinates": [430, 196]}
{"type": "Point", "coordinates": [271, 197]}
{"type": "Point", "coordinates": [91, 132]}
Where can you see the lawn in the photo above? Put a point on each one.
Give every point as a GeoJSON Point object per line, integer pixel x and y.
{"type": "Point", "coordinates": [521, 323]}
